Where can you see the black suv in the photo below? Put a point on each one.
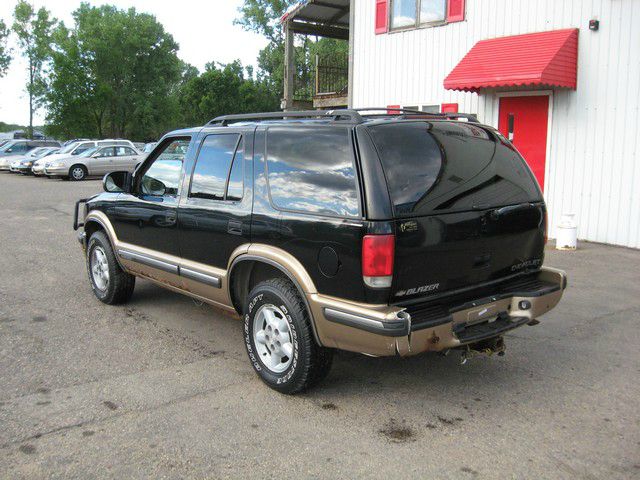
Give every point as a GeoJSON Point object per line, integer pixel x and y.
{"type": "Point", "coordinates": [385, 234]}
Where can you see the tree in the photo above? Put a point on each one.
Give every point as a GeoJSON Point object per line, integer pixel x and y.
{"type": "Point", "coordinates": [33, 30]}
{"type": "Point", "coordinates": [224, 89]}
{"type": "Point", "coordinates": [5, 58]}
{"type": "Point", "coordinates": [263, 17]}
{"type": "Point", "coordinates": [116, 73]}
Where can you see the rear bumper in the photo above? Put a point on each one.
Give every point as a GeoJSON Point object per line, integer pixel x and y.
{"type": "Point", "coordinates": [383, 330]}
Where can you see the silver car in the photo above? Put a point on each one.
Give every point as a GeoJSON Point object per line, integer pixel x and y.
{"type": "Point", "coordinates": [74, 149]}
{"type": "Point", "coordinates": [23, 164]}
{"type": "Point", "coordinates": [97, 161]}
{"type": "Point", "coordinates": [18, 148]}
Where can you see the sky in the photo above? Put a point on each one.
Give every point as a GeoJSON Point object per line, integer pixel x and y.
{"type": "Point", "coordinates": [204, 30]}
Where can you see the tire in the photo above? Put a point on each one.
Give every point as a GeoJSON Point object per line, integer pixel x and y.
{"type": "Point", "coordinates": [307, 363]}
{"type": "Point", "coordinates": [77, 173]}
{"type": "Point", "coordinates": [118, 286]}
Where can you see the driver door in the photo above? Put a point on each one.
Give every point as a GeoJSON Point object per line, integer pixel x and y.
{"type": "Point", "coordinates": [101, 162]}
{"type": "Point", "coordinates": [146, 219]}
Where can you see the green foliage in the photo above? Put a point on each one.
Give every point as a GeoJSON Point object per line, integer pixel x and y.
{"type": "Point", "coordinates": [224, 89]}
{"type": "Point", "coordinates": [5, 57]}
{"type": "Point", "coordinates": [116, 74]}
{"type": "Point", "coordinates": [33, 30]}
{"type": "Point", "coordinates": [9, 127]}
{"type": "Point", "coordinates": [263, 17]}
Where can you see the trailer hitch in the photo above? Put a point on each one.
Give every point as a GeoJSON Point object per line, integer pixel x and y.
{"type": "Point", "coordinates": [485, 347]}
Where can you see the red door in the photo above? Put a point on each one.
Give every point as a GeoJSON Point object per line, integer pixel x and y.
{"type": "Point", "coordinates": [524, 121]}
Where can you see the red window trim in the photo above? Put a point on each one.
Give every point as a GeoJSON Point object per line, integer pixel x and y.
{"type": "Point", "coordinates": [455, 11]}
{"type": "Point", "coordinates": [449, 108]}
{"type": "Point", "coordinates": [382, 16]}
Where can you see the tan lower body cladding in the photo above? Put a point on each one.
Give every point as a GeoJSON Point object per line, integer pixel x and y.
{"type": "Point", "coordinates": [379, 330]}
{"type": "Point", "coordinates": [376, 330]}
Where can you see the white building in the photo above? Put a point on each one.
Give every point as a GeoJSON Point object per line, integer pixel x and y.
{"type": "Point", "coordinates": [568, 96]}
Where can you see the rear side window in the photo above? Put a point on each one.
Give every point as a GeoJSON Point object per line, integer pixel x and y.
{"type": "Point", "coordinates": [219, 163]}
{"type": "Point", "coordinates": [411, 159]}
{"type": "Point", "coordinates": [311, 170]}
{"type": "Point", "coordinates": [450, 166]}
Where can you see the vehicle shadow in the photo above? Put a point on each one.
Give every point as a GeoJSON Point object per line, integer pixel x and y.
{"type": "Point", "coordinates": [434, 376]}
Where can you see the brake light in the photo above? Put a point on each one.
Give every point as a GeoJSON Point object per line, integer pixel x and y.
{"type": "Point", "coordinates": [377, 260]}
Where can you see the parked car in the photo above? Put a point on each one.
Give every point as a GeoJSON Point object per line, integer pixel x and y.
{"type": "Point", "coordinates": [139, 146]}
{"type": "Point", "coordinates": [391, 234]}
{"type": "Point", "coordinates": [14, 148]}
{"type": "Point", "coordinates": [148, 147]}
{"type": "Point", "coordinates": [24, 164]}
{"type": "Point", "coordinates": [76, 140]}
{"type": "Point", "coordinates": [75, 149]}
{"type": "Point", "coordinates": [95, 161]}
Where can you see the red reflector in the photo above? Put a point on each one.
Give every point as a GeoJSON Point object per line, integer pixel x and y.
{"type": "Point", "coordinates": [377, 255]}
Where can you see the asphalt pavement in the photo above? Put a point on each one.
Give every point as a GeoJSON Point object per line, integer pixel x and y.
{"type": "Point", "coordinates": [162, 387]}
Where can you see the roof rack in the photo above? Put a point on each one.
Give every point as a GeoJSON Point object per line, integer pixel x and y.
{"type": "Point", "coordinates": [409, 113]}
{"type": "Point", "coordinates": [336, 115]}
{"type": "Point", "coordinates": [351, 115]}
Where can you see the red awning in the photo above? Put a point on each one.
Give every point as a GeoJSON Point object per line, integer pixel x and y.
{"type": "Point", "coordinates": [545, 58]}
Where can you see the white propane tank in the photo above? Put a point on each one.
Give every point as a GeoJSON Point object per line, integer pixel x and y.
{"type": "Point", "coordinates": [567, 233]}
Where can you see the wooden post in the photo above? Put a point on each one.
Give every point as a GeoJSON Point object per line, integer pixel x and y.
{"type": "Point", "coordinates": [289, 67]}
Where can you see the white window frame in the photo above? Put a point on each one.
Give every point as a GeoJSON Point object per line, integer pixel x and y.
{"type": "Point", "coordinates": [417, 23]}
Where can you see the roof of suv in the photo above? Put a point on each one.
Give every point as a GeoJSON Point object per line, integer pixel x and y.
{"type": "Point", "coordinates": [347, 117]}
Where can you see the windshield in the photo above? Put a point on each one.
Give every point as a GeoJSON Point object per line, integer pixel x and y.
{"type": "Point", "coordinates": [68, 148]}
{"type": "Point", "coordinates": [7, 146]}
{"type": "Point", "coordinates": [36, 152]}
{"type": "Point", "coordinates": [88, 153]}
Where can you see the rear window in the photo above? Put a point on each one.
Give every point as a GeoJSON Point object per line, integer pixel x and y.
{"type": "Point", "coordinates": [311, 170]}
{"type": "Point", "coordinates": [444, 166]}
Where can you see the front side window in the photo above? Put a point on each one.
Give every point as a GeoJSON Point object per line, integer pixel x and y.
{"type": "Point", "coordinates": [411, 13]}
{"type": "Point", "coordinates": [106, 152]}
{"type": "Point", "coordinates": [162, 178]}
{"type": "Point", "coordinates": [312, 170]}
{"type": "Point", "coordinates": [211, 172]}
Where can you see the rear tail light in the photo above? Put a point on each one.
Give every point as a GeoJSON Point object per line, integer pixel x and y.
{"type": "Point", "coordinates": [377, 260]}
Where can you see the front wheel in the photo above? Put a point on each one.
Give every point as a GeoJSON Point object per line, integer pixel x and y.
{"type": "Point", "coordinates": [279, 338]}
{"type": "Point", "coordinates": [77, 173]}
{"type": "Point", "coordinates": [109, 282]}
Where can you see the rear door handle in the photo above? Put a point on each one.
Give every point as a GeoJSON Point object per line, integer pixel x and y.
{"type": "Point", "coordinates": [171, 217]}
{"type": "Point", "coordinates": [234, 227]}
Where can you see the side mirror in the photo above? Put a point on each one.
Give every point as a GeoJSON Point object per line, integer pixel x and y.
{"type": "Point", "coordinates": [117, 182]}
{"type": "Point", "coordinates": [96, 155]}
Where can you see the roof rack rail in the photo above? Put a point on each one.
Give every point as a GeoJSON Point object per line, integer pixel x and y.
{"type": "Point", "coordinates": [336, 115]}
{"type": "Point", "coordinates": [405, 112]}
{"type": "Point", "coordinates": [352, 115]}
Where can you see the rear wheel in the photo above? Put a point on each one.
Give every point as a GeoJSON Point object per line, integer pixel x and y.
{"type": "Point", "coordinates": [109, 282]}
{"type": "Point", "coordinates": [279, 338]}
{"type": "Point", "coordinates": [78, 172]}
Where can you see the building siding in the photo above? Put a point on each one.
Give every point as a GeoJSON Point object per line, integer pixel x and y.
{"type": "Point", "coordinates": [592, 166]}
